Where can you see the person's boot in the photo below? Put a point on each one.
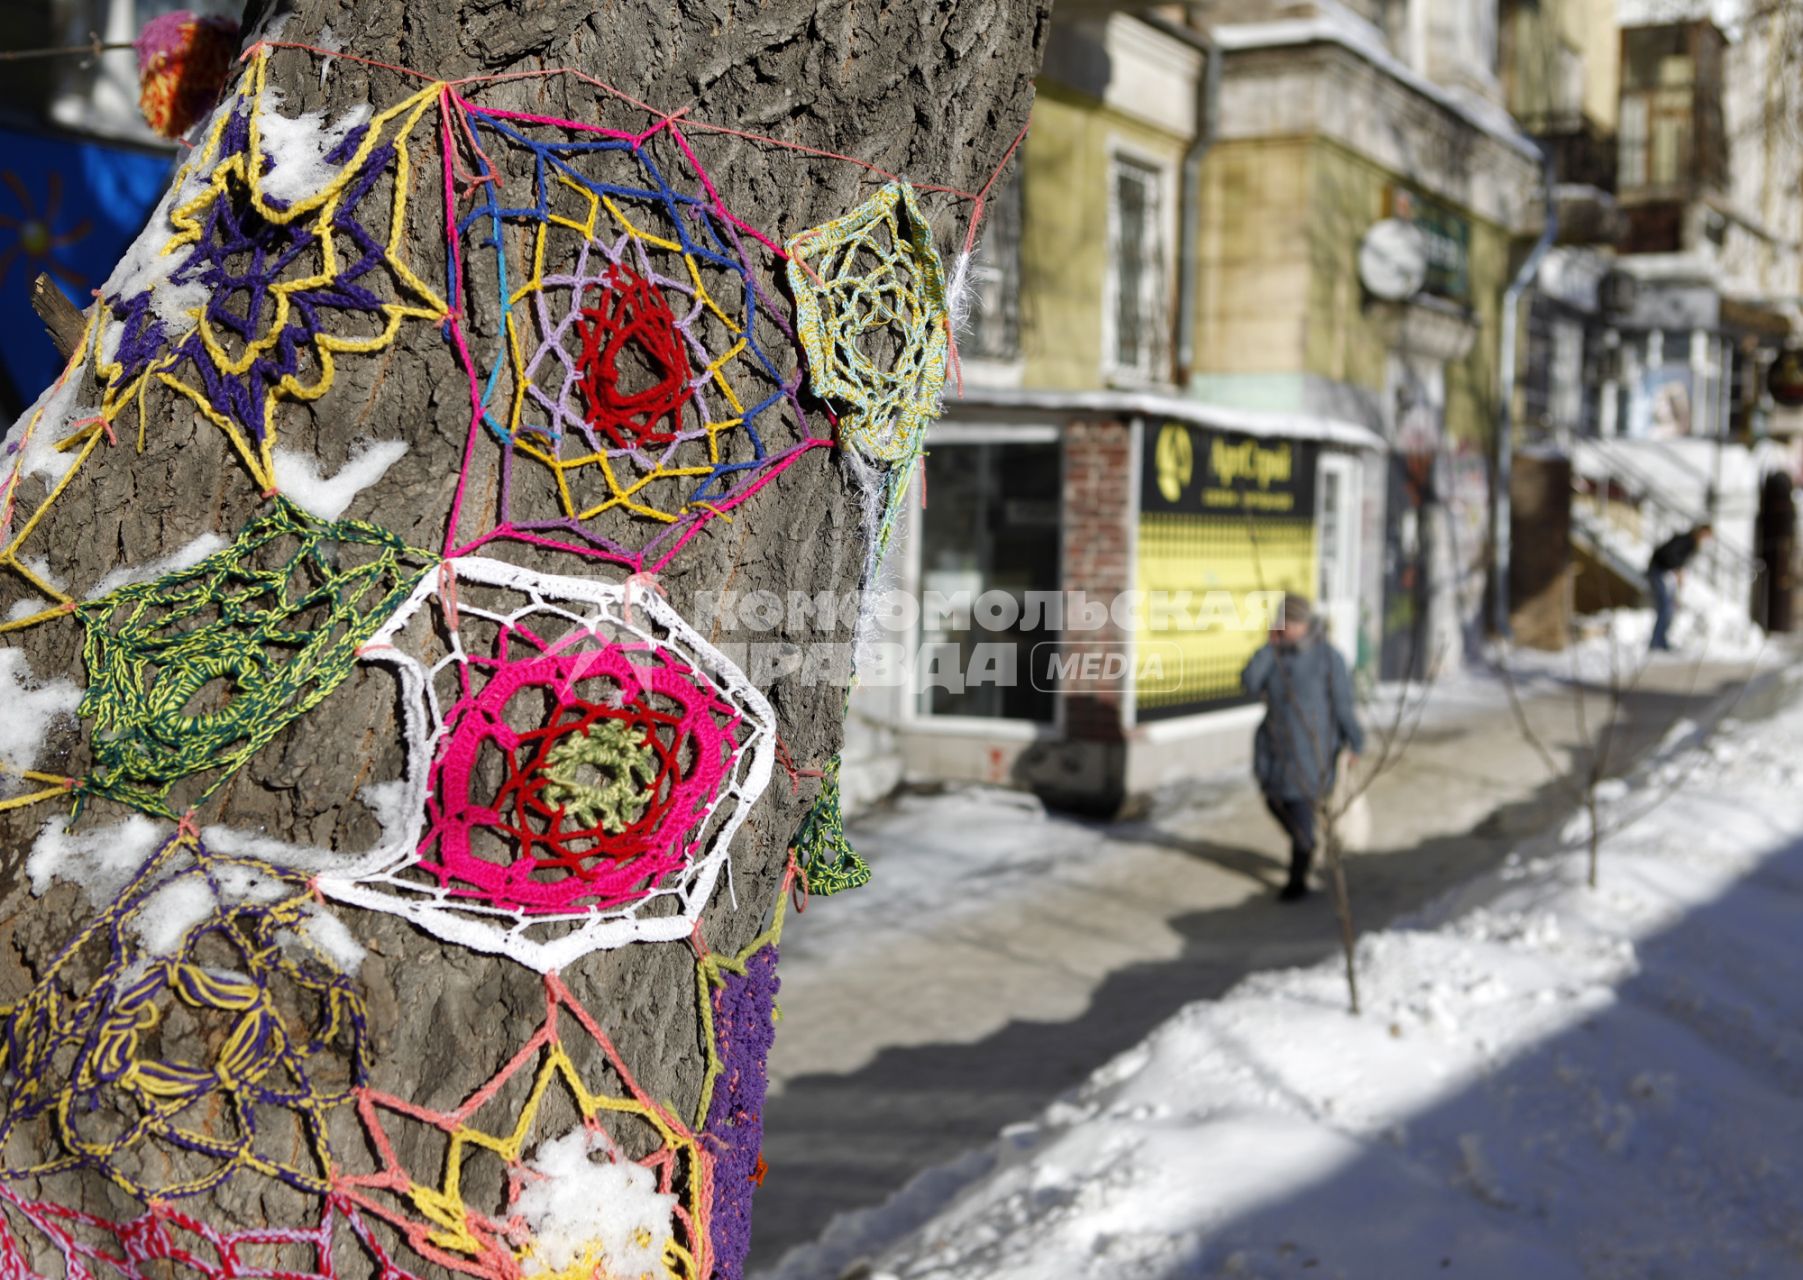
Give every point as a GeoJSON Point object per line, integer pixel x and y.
{"type": "Point", "coordinates": [1296, 888]}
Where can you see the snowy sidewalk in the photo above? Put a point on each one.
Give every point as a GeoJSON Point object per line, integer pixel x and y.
{"type": "Point", "coordinates": [1548, 1081]}
{"type": "Point", "coordinates": [1002, 955]}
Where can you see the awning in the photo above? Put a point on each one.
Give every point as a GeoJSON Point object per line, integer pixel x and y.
{"type": "Point", "coordinates": [1152, 404]}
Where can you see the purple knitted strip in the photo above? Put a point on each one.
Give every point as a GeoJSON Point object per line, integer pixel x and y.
{"type": "Point", "coordinates": [744, 1021]}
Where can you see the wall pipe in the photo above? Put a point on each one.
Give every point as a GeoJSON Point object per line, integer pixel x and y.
{"type": "Point", "coordinates": [1500, 508]}
{"type": "Point", "coordinates": [1189, 224]}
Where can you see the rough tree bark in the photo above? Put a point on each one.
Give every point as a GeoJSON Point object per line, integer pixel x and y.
{"type": "Point", "coordinates": [935, 89]}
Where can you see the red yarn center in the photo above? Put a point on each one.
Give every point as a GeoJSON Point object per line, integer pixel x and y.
{"type": "Point", "coordinates": [634, 371]}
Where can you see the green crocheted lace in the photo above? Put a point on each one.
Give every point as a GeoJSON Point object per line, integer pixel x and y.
{"type": "Point", "coordinates": [867, 281]}
{"type": "Point", "coordinates": [602, 776]}
{"type": "Point", "coordinates": [826, 857]}
{"type": "Point", "coordinates": [193, 672]}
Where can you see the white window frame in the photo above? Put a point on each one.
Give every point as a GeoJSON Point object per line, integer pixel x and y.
{"type": "Point", "coordinates": [1153, 368]}
{"type": "Point", "coordinates": [913, 718]}
{"type": "Point", "coordinates": [1340, 600]}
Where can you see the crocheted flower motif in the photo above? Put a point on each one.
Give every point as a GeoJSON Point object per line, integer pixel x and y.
{"type": "Point", "coordinates": [165, 1240]}
{"type": "Point", "coordinates": [557, 1118]}
{"type": "Point", "coordinates": [285, 253]}
{"type": "Point", "coordinates": [580, 765]}
{"type": "Point", "coordinates": [187, 1036]}
{"type": "Point", "coordinates": [192, 673]}
{"type": "Point", "coordinates": [871, 313]}
{"type": "Point", "coordinates": [630, 366]}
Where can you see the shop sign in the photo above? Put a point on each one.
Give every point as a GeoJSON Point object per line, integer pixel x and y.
{"type": "Point", "coordinates": [1447, 234]}
{"type": "Point", "coordinates": [1201, 471]}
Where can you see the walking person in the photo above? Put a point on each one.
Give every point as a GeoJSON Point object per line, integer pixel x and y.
{"type": "Point", "coordinates": [1309, 720]}
{"type": "Point", "coordinates": [1665, 574]}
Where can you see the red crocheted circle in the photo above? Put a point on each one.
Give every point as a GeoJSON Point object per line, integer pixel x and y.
{"type": "Point", "coordinates": [632, 324]}
{"type": "Point", "coordinates": [544, 862]}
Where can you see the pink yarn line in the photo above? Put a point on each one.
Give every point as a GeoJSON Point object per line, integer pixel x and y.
{"type": "Point", "coordinates": [455, 321]}
{"type": "Point", "coordinates": [513, 533]}
{"type": "Point", "coordinates": [584, 77]}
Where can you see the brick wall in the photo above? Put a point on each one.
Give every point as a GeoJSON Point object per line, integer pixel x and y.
{"type": "Point", "coordinates": [1097, 551]}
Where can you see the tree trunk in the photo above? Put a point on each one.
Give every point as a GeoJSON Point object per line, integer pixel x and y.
{"type": "Point", "coordinates": [933, 89]}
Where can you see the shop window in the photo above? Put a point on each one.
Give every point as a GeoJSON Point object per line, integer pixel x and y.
{"type": "Point", "coordinates": [993, 330]}
{"type": "Point", "coordinates": [1139, 283]}
{"type": "Point", "coordinates": [992, 528]}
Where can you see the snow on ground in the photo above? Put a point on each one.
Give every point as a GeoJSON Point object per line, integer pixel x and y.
{"type": "Point", "coordinates": [1004, 836]}
{"type": "Point", "coordinates": [1547, 1080]}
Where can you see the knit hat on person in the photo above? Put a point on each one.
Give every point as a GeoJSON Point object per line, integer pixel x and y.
{"type": "Point", "coordinates": [1297, 610]}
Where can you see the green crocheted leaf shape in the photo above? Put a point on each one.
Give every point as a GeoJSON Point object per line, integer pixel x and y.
{"type": "Point", "coordinates": [602, 777]}
{"type": "Point", "coordinates": [871, 313]}
{"type": "Point", "coordinates": [826, 857]}
{"type": "Point", "coordinates": [192, 673]}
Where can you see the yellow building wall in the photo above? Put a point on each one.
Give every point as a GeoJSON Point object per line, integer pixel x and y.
{"type": "Point", "coordinates": [1278, 277]}
{"type": "Point", "coordinates": [1253, 290]}
{"type": "Point", "coordinates": [1064, 238]}
{"type": "Point", "coordinates": [1598, 35]}
{"type": "Point", "coordinates": [1537, 34]}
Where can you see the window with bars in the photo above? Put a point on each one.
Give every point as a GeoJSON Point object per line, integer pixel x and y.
{"type": "Point", "coordinates": [992, 331]}
{"type": "Point", "coordinates": [1139, 282]}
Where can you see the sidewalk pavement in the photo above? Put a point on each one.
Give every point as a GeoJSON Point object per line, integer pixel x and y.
{"type": "Point", "coordinates": [1001, 954]}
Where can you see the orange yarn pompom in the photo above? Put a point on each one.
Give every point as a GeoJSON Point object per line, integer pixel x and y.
{"type": "Point", "coordinates": [183, 62]}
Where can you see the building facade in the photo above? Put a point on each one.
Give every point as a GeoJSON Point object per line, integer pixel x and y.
{"type": "Point", "coordinates": [1241, 329]}
{"type": "Point", "coordinates": [1181, 399]}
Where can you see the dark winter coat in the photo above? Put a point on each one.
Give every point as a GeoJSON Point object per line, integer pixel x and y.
{"type": "Point", "coordinates": [1674, 553]}
{"type": "Point", "coordinates": [1308, 717]}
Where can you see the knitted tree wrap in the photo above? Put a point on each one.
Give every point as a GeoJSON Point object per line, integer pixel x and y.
{"type": "Point", "coordinates": [508, 676]}
{"type": "Point", "coordinates": [272, 622]}
{"type": "Point", "coordinates": [505, 1119]}
{"type": "Point", "coordinates": [578, 760]}
{"type": "Point", "coordinates": [275, 289]}
{"type": "Point", "coordinates": [871, 312]}
{"type": "Point", "coordinates": [166, 1240]}
{"type": "Point", "coordinates": [828, 862]}
{"type": "Point", "coordinates": [620, 381]}
{"type": "Point", "coordinates": [744, 1026]}
{"type": "Point", "coordinates": [277, 1040]}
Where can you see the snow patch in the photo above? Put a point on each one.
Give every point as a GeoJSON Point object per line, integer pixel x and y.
{"type": "Point", "coordinates": [329, 935]}
{"type": "Point", "coordinates": [31, 709]}
{"type": "Point", "coordinates": [184, 558]}
{"type": "Point", "coordinates": [101, 860]}
{"type": "Point", "coordinates": [299, 146]}
{"type": "Point", "coordinates": [170, 912]}
{"type": "Point", "coordinates": [56, 407]}
{"type": "Point", "coordinates": [298, 477]}
{"type": "Point", "coordinates": [606, 1214]}
{"type": "Point", "coordinates": [40, 568]}
{"type": "Point", "coordinates": [1547, 1080]}
{"type": "Point", "coordinates": [145, 265]}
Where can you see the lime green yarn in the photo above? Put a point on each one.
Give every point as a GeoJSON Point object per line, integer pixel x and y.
{"type": "Point", "coordinates": [263, 629]}
{"type": "Point", "coordinates": [825, 856]}
{"type": "Point", "coordinates": [873, 279]}
{"type": "Point", "coordinates": [623, 768]}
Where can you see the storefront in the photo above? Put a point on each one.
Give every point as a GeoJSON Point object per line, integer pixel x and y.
{"type": "Point", "coordinates": [1088, 577]}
